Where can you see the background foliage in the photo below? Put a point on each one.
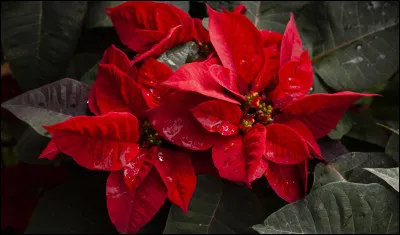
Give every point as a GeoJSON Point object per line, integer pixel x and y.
{"type": "Point", "coordinates": [354, 45]}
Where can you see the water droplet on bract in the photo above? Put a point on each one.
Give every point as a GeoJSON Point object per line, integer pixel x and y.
{"type": "Point", "coordinates": [290, 79]}
{"type": "Point", "coordinates": [358, 47]}
{"type": "Point", "coordinates": [87, 102]}
{"type": "Point", "coordinates": [242, 62]}
{"type": "Point", "coordinates": [311, 89]}
{"type": "Point", "coordinates": [169, 179]}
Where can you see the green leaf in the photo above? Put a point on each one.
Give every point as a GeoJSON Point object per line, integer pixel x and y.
{"type": "Point", "coordinates": [390, 175]}
{"type": "Point", "coordinates": [179, 55]}
{"type": "Point", "coordinates": [343, 127]}
{"type": "Point", "coordinates": [90, 76]}
{"type": "Point", "coordinates": [350, 166]}
{"type": "Point", "coordinates": [228, 5]}
{"type": "Point", "coordinates": [325, 174]}
{"type": "Point", "coordinates": [50, 104]}
{"type": "Point", "coordinates": [77, 206]}
{"type": "Point", "coordinates": [272, 15]}
{"type": "Point", "coordinates": [338, 207]}
{"type": "Point", "coordinates": [96, 14]}
{"type": "Point", "coordinates": [331, 149]}
{"type": "Point", "coordinates": [216, 207]}
{"type": "Point", "coordinates": [39, 38]}
{"type": "Point", "coordinates": [364, 128]}
{"type": "Point", "coordinates": [81, 63]}
{"type": "Point", "coordinates": [184, 5]}
{"type": "Point", "coordinates": [392, 147]}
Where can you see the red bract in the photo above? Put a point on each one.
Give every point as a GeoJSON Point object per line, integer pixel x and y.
{"type": "Point", "coordinates": [257, 113]}
{"type": "Point", "coordinates": [150, 28]}
{"type": "Point", "coordinates": [144, 172]}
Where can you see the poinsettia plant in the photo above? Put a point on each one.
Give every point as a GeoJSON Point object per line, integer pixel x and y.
{"type": "Point", "coordinates": [225, 98]}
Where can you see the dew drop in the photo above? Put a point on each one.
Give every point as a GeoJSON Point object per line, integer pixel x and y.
{"type": "Point", "coordinates": [358, 47]}
{"type": "Point", "coordinates": [242, 62]}
{"type": "Point", "coordinates": [87, 102]}
{"type": "Point", "coordinates": [290, 79]}
{"type": "Point", "coordinates": [169, 179]}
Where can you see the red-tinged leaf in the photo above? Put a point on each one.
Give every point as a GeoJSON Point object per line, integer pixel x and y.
{"type": "Point", "coordinates": [129, 211]}
{"type": "Point", "coordinates": [118, 58]}
{"type": "Point", "coordinates": [229, 160]}
{"type": "Point", "coordinates": [284, 145]}
{"type": "Point", "coordinates": [175, 123]}
{"type": "Point", "coordinates": [140, 25]}
{"type": "Point", "coordinates": [271, 38]}
{"type": "Point", "coordinates": [200, 33]}
{"type": "Point", "coordinates": [138, 168]}
{"type": "Point", "coordinates": [176, 170]}
{"type": "Point", "coordinates": [254, 143]}
{"type": "Point", "coordinates": [115, 91]}
{"type": "Point", "coordinates": [51, 151]}
{"type": "Point", "coordinates": [218, 116]}
{"type": "Point", "coordinates": [203, 163]}
{"type": "Point", "coordinates": [269, 70]}
{"type": "Point", "coordinates": [291, 47]}
{"type": "Point", "coordinates": [176, 35]}
{"type": "Point", "coordinates": [288, 181]}
{"type": "Point", "coordinates": [321, 112]}
{"type": "Point", "coordinates": [295, 81]}
{"type": "Point", "coordinates": [151, 73]}
{"type": "Point", "coordinates": [106, 142]}
{"type": "Point", "coordinates": [307, 136]}
{"type": "Point", "coordinates": [196, 77]}
{"type": "Point", "coordinates": [227, 79]}
{"type": "Point", "coordinates": [242, 55]}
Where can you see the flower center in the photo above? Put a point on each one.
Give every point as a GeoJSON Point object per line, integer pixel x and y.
{"type": "Point", "coordinates": [148, 136]}
{"type": "Point", "coordinates": [255, 110]}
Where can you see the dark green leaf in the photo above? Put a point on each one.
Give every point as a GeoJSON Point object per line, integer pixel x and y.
{"type": "Point", "coordinates": [350, 166]}
{"type": "Point", "coordinates": [77, 206]}
{"type": "Point", "coordinates": [228, 5]}
{"type": "Point", "coordinates": [364, 128]}
{"type": "Point", "coordinates": [331, 149]}
{"type": "Point", "coordinates": [390, 175]}
{"type": "Point", "coordinates": [343, 127]}
{"type": "Point", "coordinates": [90, 76]}
{"type": "Point", "coordinates": [392, 147]}
{"type": "Point", "coordinates": [325, 174]}
{"type": "Point", "coordinates": [39, 38]}
{"type": "Point", "coordinates": [216, 207]}
{"type": "Point", "coordinates": [338, 207]}
{"type": "Point", "coordinates": [184, 5]}
{"type": "Point", "coordinates": [96, 14]}
{"type": "Point", "coordinates": [81, 63]}
{"type": "Point", "coordinates": [179, 55]}
{"type": "Point", "coordinates": [50, 104]}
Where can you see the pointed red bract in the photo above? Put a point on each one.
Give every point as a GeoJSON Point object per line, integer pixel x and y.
{"type": "Point", "coordinates": [141, 25]}
{"type": "Point", "coordinates": [151, 73]}
{"type": "Point", "coordinates": [254, 143]}
{"type": "Point", "coordinates": [288, 181]}
{"type": "Point", "coordinates": [269, 70]}
{"type": "Point", "coordinates": [284, 145]}
{"type": "Point", "coordinates": [200, 33]}
{"type": "Point", "coordinates": [295, 81]}
{"type": "Point", "coordinates": [115, 91]}
{"type": "Point", "coordinates": [291, 47]}
{"type": "Point", "coordinates": [229, 160]}
{"type": "Point", "coordinates": [131, 210]}
{"type": "Point", "coordinates": [196, 77]}
{"type": "Point", "coordinates": [306, 134]}
{"type": "Point", "coordinates": [218, 116]}
{"type": "Point", "coordinates": [175, 123]}
{"type": "Point", "coordinates": [321, 112]}
{"type": "Point", "coordinates": [106, 142]}
{"type": "Point", "coordinates": [139, 167]}
{"type": "Point", "coordinates": [237, 42]}
{"type": "Point", "coordinates": [115, 56]}
{"type": "Point", "coordinates": [51, 151]}
{"type": "Point", "coordinates": [176, 171]}
{"type": "Point", "coordinates": [271, 38]}
{"type": "Point", "coordinates": [227, 79]}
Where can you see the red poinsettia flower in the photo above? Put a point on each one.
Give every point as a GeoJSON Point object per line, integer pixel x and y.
{"type": "Point", "coordinates": [150, 28]}
{"type": "Point", "coordinates": [145, 170]}
{"type": "Point", "coordinates": [253, 110]}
